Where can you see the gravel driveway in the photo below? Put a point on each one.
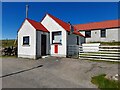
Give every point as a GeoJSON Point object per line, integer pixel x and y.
{"type": "Point", "coordinates": [52, 72]}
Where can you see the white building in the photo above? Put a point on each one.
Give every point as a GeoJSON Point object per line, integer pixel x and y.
{"type": "Point", "coordinates": [51, 36]}
{"type": "Point", "coordinates": [106, 31]}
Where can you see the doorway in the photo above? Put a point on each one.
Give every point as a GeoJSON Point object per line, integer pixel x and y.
{"type": "Point", "coordinates": [43, 44]}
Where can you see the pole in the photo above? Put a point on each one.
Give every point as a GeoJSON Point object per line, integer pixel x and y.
{"type": "Point", "coordinates": [26, 11]}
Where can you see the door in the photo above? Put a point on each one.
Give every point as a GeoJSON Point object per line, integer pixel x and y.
{"type": "Point", "coordinates": [56, 49]}
{"type": "Point", "coordinates": [43, 45]}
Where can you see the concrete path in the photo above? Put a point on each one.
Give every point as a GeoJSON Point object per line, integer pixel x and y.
{"type": "Point", "coordinates": [52, 72]}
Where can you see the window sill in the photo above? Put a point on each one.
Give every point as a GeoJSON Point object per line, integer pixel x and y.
{"type": "Point", "coordinates": [56, 44]}
{"type": "Point", "coordinates": [25, 45]}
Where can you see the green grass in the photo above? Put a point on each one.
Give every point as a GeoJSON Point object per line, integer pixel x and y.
{"type": "Point", "coordinates": [7, 43]}
{"type": "Point", "coordinates": [108, 43]}
{"type": "Point", "coordinates": [111, 62]}
{"type": "Point", "coordinates": [8, 56]}
{"type": "Point", "coordinates": [105, 84]}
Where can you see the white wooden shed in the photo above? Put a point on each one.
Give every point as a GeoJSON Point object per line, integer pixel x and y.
{"type": "Point", "coordinates": [51, 36]}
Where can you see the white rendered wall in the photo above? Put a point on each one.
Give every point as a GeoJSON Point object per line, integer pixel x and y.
{"type": "Point", "coordinates": [38, 39]}
{"type": "Point", "coordinates": [27, 51]}
{"type": "Point", "coordinates": [111, 35]}
{"type": "Point", "coordinates": [53, 26]}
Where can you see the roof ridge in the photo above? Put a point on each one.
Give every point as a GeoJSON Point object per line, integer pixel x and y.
{"type": "Point", "coordinates": [97, 22]}
{"type": "Point", "coordinates": [98, 25]}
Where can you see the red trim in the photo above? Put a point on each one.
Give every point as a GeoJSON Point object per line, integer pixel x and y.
{"type": "Point", "coordinates": [56, 48]}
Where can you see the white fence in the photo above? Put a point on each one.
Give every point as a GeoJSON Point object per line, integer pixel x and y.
{"type": "Point", "coordinates": [94, 52]}
{"type": "Point", "coordinates": [91, 47]}
{"type": "Point", "coordinates": [108, 53]}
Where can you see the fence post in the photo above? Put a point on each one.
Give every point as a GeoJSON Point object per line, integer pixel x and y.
{"type": "Point", "coordinates": [79, 51]}
{"type": "Point", "coordinates": [100, 52]}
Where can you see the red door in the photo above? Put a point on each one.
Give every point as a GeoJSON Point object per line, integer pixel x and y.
{"type": "Point", "coordinates": [56, 49]}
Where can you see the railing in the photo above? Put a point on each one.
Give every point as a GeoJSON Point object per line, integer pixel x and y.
{"type": "Point", "coordinates": [108, 53]}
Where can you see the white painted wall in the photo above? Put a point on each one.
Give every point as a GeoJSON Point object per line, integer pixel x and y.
{"type": "Point", "coordinates": [111, 35]}
{"type": "Point", "coordinates": [38, 39]}
{"type": "Point", "coordinates": [52, 26]}
{"type": "Point", "coordinates": [26, 51]}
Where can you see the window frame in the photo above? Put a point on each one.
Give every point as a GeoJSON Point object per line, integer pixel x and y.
{"type": "Point", "coordinates": [86, 34]}
{"type": "Point", "coordinates": [53, 34]}
{"type": "Point", "coordinates": [103, 35]}
{"type": "Point", "coordinates": [28, 42]}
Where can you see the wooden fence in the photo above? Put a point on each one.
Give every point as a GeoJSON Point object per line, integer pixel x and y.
{"type": "Point", "coordinates": [108, 53]}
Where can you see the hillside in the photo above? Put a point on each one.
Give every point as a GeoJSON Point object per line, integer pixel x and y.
{"type": "Point", "coordinates": [7, 43]}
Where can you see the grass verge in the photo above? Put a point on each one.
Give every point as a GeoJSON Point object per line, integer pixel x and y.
{"type": "Point", "coordinates": [8, 56]}
{"type": "Point", "coordinates": [111, 62]}
{"type": "Point", "coordinates": [7, 43]}
{"type": "Point", "coordinates": [105, 84]}
{"type": "Point", "coordinates": [108, 43]}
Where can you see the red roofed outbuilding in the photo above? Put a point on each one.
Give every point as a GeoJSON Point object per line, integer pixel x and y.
{"type": "Point", "coordinates": [51, 36]}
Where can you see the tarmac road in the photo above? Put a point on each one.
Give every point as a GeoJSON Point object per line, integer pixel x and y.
{"type": "Point", "coordinates": [52, 72]}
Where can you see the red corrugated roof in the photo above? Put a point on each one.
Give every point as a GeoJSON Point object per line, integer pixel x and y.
{"type": "Point", "coordinates": [65, 25]}
{"type": "Point", "coordinates": [37, 25]}
{"type": "Point", "coordinates": [99, 25]}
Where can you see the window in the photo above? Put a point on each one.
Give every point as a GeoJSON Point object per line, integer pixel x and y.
{"type": "Point", "coordinates": [26, 40]}
{"type": "Point", "coordinates": [103, 33]}
{"type": "Point", "coordinates": [77, 40]}
{"type": "Point", "coordinates": [56, 37]}
{"type": "Point", "coordinates": [88, 34]}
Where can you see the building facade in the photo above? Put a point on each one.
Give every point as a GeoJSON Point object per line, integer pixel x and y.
{"type": "Point", "coordinates": [106, 31]}
{"type": "Point", "coordinates": [51, 36]}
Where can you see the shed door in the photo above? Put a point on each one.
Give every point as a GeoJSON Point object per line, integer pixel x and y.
{"type": "Point", "coordinates": [43, 44]}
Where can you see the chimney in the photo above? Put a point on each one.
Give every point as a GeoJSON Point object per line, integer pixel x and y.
{"type": "Point", "coordinates": [71, 28]}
